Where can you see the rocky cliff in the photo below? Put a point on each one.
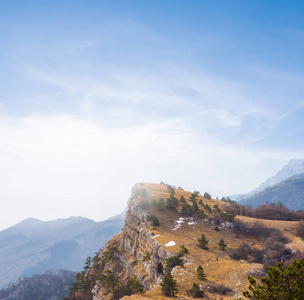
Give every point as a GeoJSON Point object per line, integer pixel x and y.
{"type": "Point", "coordinates": [135, 242]}
{"type": "Point", "coordinates": [137, 259]}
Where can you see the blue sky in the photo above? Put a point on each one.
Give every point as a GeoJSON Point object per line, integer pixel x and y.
{"type": "Point", "coordinates": [98, 95]}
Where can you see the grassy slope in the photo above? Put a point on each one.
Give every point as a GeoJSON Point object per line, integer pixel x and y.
{"type": "Point", "coordinates": [218, 266]}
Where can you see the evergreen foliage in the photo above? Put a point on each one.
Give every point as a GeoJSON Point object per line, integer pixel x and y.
{"type": "Point", "coordinates": [169, 286]}
{"type": "Point", "coordinates": [222, 244]}
{"type": "Point", "coordinates": [153, 218]}
{"type": "Point", "coordinates": [133, 286]}
{"type": "Point", "coordinates": [183, 250]}
{"type": "Point", "coordinates": [281, 283]}
{"type": "Point", "coordinates": [203, 242]}
{"type": "Point", "coordinates": [172, 262]}
{"type": "Point", "coordinates": [108, 255]}
{"type": "Point", "coordinates": [196, 292]}
{"type": "Point", "coordinates": [207, 196]}
{"type": "Point", "coordinates": [171, 202]}
{"type": "Point", "coordinates": [200, 273]}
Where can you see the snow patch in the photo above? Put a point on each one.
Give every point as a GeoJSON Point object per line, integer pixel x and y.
{"type": "Point", "coordinates": [171, 243]}
{"type": "Point", "coordinates": [156, 236]}
{"type": "Point", "coordinates": [179, 222]}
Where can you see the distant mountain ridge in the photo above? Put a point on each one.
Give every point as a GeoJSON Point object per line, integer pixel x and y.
{"type": "Point", "coordinates": [294, 167]}
{"type": "Point", "coordinates": [289, 192]}
{"type": "Point", "coordinates": [52, 285]}
{"type": "Point", "coordinates": [33, 246]}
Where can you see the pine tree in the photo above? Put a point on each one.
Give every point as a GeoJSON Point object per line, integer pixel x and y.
{"type": "Point", "coordinates": [203, 242]}
{"type": "Point", "coordinates": [200, 273]}
{"type": "Point", "coordinates": [168, 286]}
{"type": "Point", "coordinates": [222, 244]}
{"type": "Point", "coordinates": [281, 283]}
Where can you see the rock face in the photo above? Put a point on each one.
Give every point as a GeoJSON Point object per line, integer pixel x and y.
{"type": "Point", "coordinates": [134, 243]}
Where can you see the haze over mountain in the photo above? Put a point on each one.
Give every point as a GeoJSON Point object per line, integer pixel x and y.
{"type": "Point", "coordinates": [285, 187]}
{"type": "Point", "coordinates": [33, 246]}
{"type": "Point", "coordinates": [294, 166]}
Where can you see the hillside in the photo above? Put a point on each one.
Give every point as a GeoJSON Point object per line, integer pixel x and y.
{"type": "Point", "coordinates": [288, 192]}
{"type": "Point", "coordinates": [33, 246]}
{"type": "Point", "coordinates": [48, 286]}
{"type": "Point", "coordinates": [140, 254]}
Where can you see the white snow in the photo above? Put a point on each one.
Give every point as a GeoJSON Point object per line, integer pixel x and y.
{"type": "Point", "coordinates": [171, 243]}
{"type": "Point", "coordinates": [156, 236]}
{"type": "Point", "coordinates": [179, 222]}
{"type": "Point", "coordinates": [191, 223]}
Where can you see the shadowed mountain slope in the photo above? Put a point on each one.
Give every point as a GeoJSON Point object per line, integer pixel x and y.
{"type": "Point", "coordinates": [33, 246]}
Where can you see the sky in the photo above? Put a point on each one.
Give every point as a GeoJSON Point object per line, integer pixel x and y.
{"type": "Point", "coordinates": [96, 96]}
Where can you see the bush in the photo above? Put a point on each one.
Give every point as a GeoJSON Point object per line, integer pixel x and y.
{"type": "Point", "coordinates": [171, 202]}
{"type": "Point", "coordinates": [222, 244]}
{"type": "Point", "coordinates": [183, 250]}
{"type": "Point", "coordinates": [219, 289]}
{"type": "Point", "coordinates": [203, 242]}
{"type": "Point", "coordinates": [147, 257]}
{"type": "Point", "coordinates": [242, 252]}
{"type": "Point", "coordinates": [168, 286]}
{"type": "Point", "coordinates": [143, 204]}
{"type": "Point", "coordinates": [196, 292]}
{"type": "Point", "coordinates": [108, 255]}
{"type": "Point", "coordinates": [300, 228]}
{"type": "Point", "coordinates": [133, 286]}
{"type": "Point", "coordinates": [200, 273]}
{"type": "Point", "coordinates": [172, 262]}
{"type": "Point", "coordinates": [207, 195]}
{"type": "Point", "coordinates": [153, 218]}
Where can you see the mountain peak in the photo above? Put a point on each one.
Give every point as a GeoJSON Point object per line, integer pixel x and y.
{"type": "Point", "coordinates": [294, 166]}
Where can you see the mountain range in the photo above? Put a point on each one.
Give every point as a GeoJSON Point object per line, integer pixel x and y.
{"type": "Point", "coordinates": [285, 187]}
{"type": "Point", "coordinates": [33, 246]}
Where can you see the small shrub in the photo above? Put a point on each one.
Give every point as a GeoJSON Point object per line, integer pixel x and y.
{"type": "Point", "coordinates": [147, 257]}
{"type": "Point", "coordinates": [187, 209]}
{"type": "Point", "coordinates": [222, 244]}
{"type": "Point", "coordinates": [200, 273]}
{"type": "Point", "coordinates": [300, 229]}
{"type": "Point", "coordinates": [172, 262]}
{"type": "Point", "coordinates": [183, 250]}
{"type": "Point", "coordinates": [207, 195]}
{"type": "Point", "coordinates": [108, 255]}
{"type": "Point", "coordinates": [219, 289]}
{"type": "Point", "coordinates": [216, 228]}
{"type": "Point", "coordinates": [171, 202]}
{"type": "Point", "coordinates": [242, 252]}
{"type": "Point", "coordinates": [196, 292]}
{"type": "Point", "coordinates": [133, 286]}
{"type": "Point", "coordinates": [143, 204]}
{"type": "Point", "coordinates": [153, 218]}
{"type": "Point", "coordinates": [203, 242]}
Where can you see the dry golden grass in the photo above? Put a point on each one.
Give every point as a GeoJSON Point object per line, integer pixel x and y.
{"type": "Point", "coordinates": [218, 266]}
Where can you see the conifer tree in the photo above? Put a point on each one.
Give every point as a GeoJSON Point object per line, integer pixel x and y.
{"type": "Point", "coordinates": [281, 283]}
{"type": "Point", "coordinates": [203, 242]}
{"type": "Point", "coordinates": [168, 286]}
{"type": "Point", "coordinates": [200, 273]}
{"type": "Point", "coordinates": [222, 244]}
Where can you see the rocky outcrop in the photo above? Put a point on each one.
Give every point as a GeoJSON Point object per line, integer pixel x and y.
{"type": "Point", "coordinates": [138, 253]}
